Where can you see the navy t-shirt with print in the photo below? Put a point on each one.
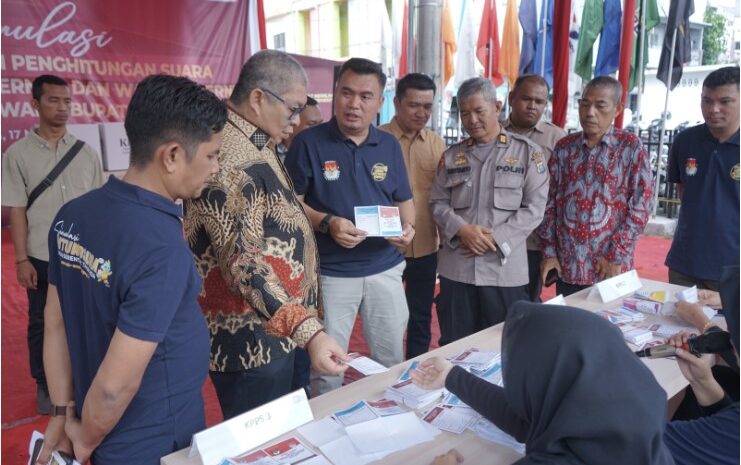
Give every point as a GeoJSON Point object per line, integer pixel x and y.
{"type": "Point", "coordinates": [335, 175]}
{"type": "Point", "coordinates": [707, 234]}
{"type": "Point", "coordinates": [119, 260]}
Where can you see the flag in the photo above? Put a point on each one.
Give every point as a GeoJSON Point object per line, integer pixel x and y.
{"type": "Point", "coordinates": [510, 43]}
{"type": "Point", "coordinates": [548, 50]}
{"type": "Point", "coordinates": [608, 54]}
{"type": "Point", "coordinates": [574, 79]}
{"type": "Point", "coordinates": [652, 19]}
{"type": "Point", "coordinates": [679, 20]}
{"type": "Point", "coordinates": [529, 22]}
{"type": "Point", "coordinates": [448, 33]}
{"type": "Point", "coordinates": [561, 63]}
{"type": "Point", "coordinates": [397, 26]}
{"type": "Point", "coordinates": [465, 61]}
{"type": "Point", "coordinates": [591, 20]}
{"type": "Point", "coordinates": [256, 26]}
{"type": "Point", "coordinates": [387, 44]}
{"type": "Point", "coordinates": [487, 45]}
{"type": "Point", "coordinates": [403, 65]}
{"type": "Point", "coordinates": [626, 48]}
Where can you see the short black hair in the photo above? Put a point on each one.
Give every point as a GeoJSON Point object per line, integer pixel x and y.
{"type": "Point", "coordinates": [722, 77]}
{"type": "Point", "coordinates": [523, 78]}
{"type": "Point", "coordinates": [363, 66]}
{"type": "Point", "coordinates": [37, 88]}
{"type": "Point", "coordinates": [171, 108]}
{"type": "Point", "coordinates": [311, 101]}
{"type": "Point", "coordinates": [417, 81]}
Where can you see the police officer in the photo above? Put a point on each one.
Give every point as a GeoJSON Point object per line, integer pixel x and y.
{"type": "Point", "coordinates": [489, 193]}
{"type": "Point", "coordinates": [527, 101]}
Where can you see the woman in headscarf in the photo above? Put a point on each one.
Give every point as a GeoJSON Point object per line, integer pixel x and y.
{"type": "Point", "coordinates": [573, 391]}
{"type": "Point", "coordinates": [712, 439]}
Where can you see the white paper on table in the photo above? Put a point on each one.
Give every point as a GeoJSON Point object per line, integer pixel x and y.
{"type": "Point", "coordinates": [451, 419]}
{"type": "Point", "coordinates": [321, 432]}
{"type": "Point", "coordinates": [358, 413]}
{"type": "Point", "coordinates": [388, 434]}
{"type": "Point", "coordinates": [688, 295]}
{"type": "Point", "coordinates": [341, 451]}
{"type": "Point", "coordinates": [558, 300]}
{"type": "Point", "coordinates": [378, 221]}
{"type": "Point", "coordinates": [318, 460]}
{"type": "Point", "coordinates": [617, 286]}
{"type": "Point", "coordinates": [492, 433]}
{"type": "Point", "coordinates": [365, 365]}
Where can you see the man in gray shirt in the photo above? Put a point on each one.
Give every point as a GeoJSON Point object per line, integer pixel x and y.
{"type": "Point", "coordinates": [489, 193]}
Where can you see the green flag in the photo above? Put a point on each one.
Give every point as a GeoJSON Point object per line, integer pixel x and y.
{"type": "Point", "coordinates": [652, 19]}
{"type": "Point", "coordinates": [591, 26]}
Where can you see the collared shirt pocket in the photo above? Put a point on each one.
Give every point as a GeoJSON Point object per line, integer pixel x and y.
{"type": "Point", "coordinates": [508, 192]}
{"type": "Point", "coordinates": [461, 190]}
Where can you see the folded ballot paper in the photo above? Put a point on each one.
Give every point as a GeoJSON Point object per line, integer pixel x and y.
{"type": "Point", "coordinates": [408, 393]}
{"type": "Point", "coordinates": [475, 360]}
{"type": "Point", "coordinates": [286, 452]}
{"type": "Point", "coordinates": [366, 366]}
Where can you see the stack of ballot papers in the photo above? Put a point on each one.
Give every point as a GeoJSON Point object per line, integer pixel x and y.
{"type": "Point", "coordinates": [368, 410]}
{"type": "Point", "coordinates": [366, 441]}
{"type": "Point", "coordinates": [620, 315]}
{"type": "Point", "coordinates": [286, 452]}
{"type": "Point", "coordinates": [474, 360]}
{"type": "Point", "coordinates": [635, 334]}
{"type": "Point", "coordinates": [408, 393]}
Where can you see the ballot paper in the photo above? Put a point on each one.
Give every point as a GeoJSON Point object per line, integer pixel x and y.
{"type": "Point", "coordinates": [358, 413]}
{"type": "Point", "coordinates": [489, 431]}
{"type": "Point", "coordinates": [386, 407]}
{"type": "Point", "coordinates": [619, 315]}
{"type": "Point", "coordinates": [475, 360]}
{"type": "Point", "coordinates": [451, 419]}
{"type": "Point", "coordinates": [407, 373]}
{"type": "Point", "coordinates": [412, 395]}
{"type": "Point", "coordinates": [644, 306]}
{"type": "Point", "coordinates": [665, 329]}
{"type": "Point", "coordinates": [378, 221]}
{"type": "Point", "coordinates": [322, 431]}
{"type": "Point", "coordinates": [388, 434]}
{"type": "Point", "coordinates": [656, 296]}
{"type": "Point", "coordinates": [365, 365]}
{"type": "Point", "coordinates": [687, 295]}
{"type": "Point", "coordinates": [286, 452]}
{"type": "Point", "coordinates": [635, 334]}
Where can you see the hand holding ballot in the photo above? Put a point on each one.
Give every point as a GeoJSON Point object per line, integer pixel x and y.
{"type": "Point", "coordinates": [431, 373]}
{"type": "Point", "coordinates": [327, 357]}
{"type": "Point", "coordinates": [403, 241]}
{"type": "Point", "coordinates": [344, 232]}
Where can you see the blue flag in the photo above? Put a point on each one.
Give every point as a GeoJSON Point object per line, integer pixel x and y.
{"type": "Point", "coordinates": [529, 22]}
{"type": "Point", "coordinates": [538, 68]}
{"type": "Point", "coordinates": [608, 56]}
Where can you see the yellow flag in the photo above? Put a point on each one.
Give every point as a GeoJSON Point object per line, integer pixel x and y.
{"type": "Point", "coordinates": [449, 43]}
{"type": "Point", "coordinates": [509, 58]}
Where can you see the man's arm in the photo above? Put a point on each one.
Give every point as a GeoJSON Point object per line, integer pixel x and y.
{"type": "Point", "coordinates": [25, 272]}
{"type": "Point", "coordinates": [547, 229]}
{"type": "Point", "coordinates": [530, 212]}
{"type": "Point", "coordinates": [58, 371]}
{"type": "Point", "coordinates": [342, 230]}
{"type": "Point", "coordinates": [115, 384]}
{"type": "Point", "coordinates": [639, 207]}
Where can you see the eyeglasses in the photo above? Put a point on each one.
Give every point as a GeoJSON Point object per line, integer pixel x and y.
{"type": "Point", "coordinates": [295, 111]}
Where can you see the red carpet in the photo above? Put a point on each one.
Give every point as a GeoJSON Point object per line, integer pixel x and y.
{"type": "Point", "coordinates": [19, 391]}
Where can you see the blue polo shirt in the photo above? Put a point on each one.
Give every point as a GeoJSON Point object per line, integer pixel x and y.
{"type": "Point", "coordinates": [119, 260]}
{"type": "Point", "coordinates": [707, 234]}
{"type": "Point", "coordinates": [335, 175]}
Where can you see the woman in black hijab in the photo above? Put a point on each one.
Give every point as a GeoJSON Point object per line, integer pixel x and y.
{"type": "Point", "coordinates": [573, 391]}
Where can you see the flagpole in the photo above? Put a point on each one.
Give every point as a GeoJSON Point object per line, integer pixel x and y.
{"type": "Point", "coordinates": [640, 70]}
{"type": "Point", "coordinates": [411, 65]}
{"type": "Point", "coordinates": [663, 122]}
{"type": "Point", "coordinates": [490, 55]}
{"type": "Point", "coordinates": [544, 25]}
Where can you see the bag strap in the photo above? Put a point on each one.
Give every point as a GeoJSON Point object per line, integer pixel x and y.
{"type": "Point", "coordinates": [54, 173]}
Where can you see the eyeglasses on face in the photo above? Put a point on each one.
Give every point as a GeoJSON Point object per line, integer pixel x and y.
{"type": "Point", "coordinates": [295, 111]}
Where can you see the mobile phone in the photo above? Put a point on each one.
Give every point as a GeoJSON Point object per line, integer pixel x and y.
{"type": "Point", "coordinates": [551, 277]}
{"type": "Point", "coordinates": [36, 450]}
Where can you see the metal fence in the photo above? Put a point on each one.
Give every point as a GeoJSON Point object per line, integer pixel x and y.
{"type": "Point", "coordinates": [668, 203]}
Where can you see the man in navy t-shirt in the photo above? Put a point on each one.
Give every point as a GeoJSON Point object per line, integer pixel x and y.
{"type": "Point", "coordinates": [125, 338]}
{"type": "Point", "coordinates": [342, 164]}
{"type": "Point", "coordinates": [704, 162]}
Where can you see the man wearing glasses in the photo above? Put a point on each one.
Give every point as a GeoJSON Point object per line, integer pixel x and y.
{"type": "Point", "coordinates": [600, 195]}
{"type": "Point", "coordinates": [255, 248]}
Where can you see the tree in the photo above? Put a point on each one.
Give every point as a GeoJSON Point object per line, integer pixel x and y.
{"type": "Point", "coordinates": [713, 39]}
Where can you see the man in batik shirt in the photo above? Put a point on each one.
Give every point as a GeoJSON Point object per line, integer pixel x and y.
{"type": "Point", "coordinates": [255, 247]}
{"type": "Point", "coordinates": [600, 195]}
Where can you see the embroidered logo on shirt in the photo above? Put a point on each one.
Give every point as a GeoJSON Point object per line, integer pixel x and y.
{"type": "Point", "coordinates": [73, 255]}
{"type": "Point", "coordinates": [690, 167]}
{"type": "Point", "coordinates": [735, 172]}
{"type": "Point", "coordinates": [511, 160]}
{"type": "Point", "coordinates": [460, 159]}
{"type": "Point", "coordinates": [379, 171]}
{"type": "Point", "coordinates": [331, 170]}
{"type": "Point", "coordinates": [510, 169]}
{"type": "Point", "coordinates": [537, 158]}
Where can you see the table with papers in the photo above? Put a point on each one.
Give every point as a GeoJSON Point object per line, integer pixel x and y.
{"type": "Point", "coordinates": [473, 447]}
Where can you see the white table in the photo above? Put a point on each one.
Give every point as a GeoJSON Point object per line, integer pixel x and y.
{"type": "Point", "coordinates": [473, 448]}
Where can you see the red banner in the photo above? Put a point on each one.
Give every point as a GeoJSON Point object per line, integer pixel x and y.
{"type": "Point", "coordinates": [103, 48]}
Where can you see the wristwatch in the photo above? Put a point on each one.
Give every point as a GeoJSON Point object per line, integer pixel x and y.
{"type": "Point", "coordinates": [324, 224]}
{"type": "Point", "coordinates": [58, 411]}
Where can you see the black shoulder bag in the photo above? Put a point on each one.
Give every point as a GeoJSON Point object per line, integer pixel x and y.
{"type": "Point", "coordinates": [54, 173]}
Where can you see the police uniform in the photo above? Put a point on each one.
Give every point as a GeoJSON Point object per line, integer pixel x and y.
{"type": "Point", "coordinates": [545, 134]}
{"type": "Point", "coordinates": [502, 185]}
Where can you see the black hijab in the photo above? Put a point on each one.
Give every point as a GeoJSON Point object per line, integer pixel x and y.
{"type": "Point", "coordinates": [729, 297]}
{"type": "Point", "coordinates": [587, 398]}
